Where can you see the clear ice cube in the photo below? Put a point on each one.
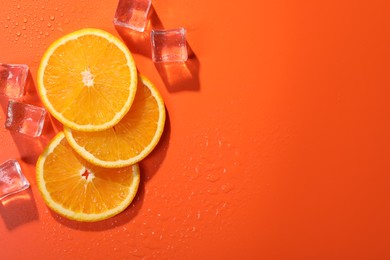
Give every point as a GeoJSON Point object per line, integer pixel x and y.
{"type": "Point", "coordinates": [25, 118]}
{"type": "Point", "coordinates": [12, 179]}
{"type": "Point", "coordinates": [132, 14]}
{"type": "Point", "coordinates": [169, 45]}
{"type": "Point", "coordinates": [13, 80]}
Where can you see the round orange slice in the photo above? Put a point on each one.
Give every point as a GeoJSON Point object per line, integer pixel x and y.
{"type": "Point", "coordinates": [78, 190]}
{"type": "Point", "coordinates": [129, 141]}
{"type": "Point", "coordinates": [87, 80]}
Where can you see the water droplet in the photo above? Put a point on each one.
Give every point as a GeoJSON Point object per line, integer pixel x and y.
{"type": "Point", "coordinates": [8, 18]}
{"type": "Point", "coordinates": [52, 17]}
{"type": "Point", "coordinates": [56, 8]}
{"type": "Point", "coordinates": [6, 26]}
{"type": "Point", "coordinates": [227, 187]}
{"type": "Point", "coordinates": [42, 19]}
{"type": "Point", "coordinates": [43, 11]}
{"type": "Point", "coordinates": [18, 6]}
{"type": "Point", "coordinates": [24, 28]}
{"type": "Point", "coordinates": [47, 34]}
{"type": "Point", "coordinates": [212, 177]}
{"type": "Point", "coordinates": [48, 24]}
{"type": "Point", "coordinates": [25, 20]}
{"type": "Point", "coordinates": [18, 33]}
{"type": "Point", "coordinates": [16, 24]}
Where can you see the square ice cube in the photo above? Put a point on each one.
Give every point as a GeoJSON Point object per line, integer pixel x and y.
{"type": "Point", "coordinates": [25, 118]}
{"type": "Point", "coordinates": [169, 45]}
{"type": "Point", "coordinates": [13, 80]}
{"type": "Point", "coordinates": [12, 179]}
{"type": "Point", "coordinates": [132, 14]}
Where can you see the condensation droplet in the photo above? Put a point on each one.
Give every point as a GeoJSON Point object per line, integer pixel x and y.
{"type": "Point", "coordinates": [47, 34]}
{"type": "Point", "coordinates": [25, 20]}
{"type": "Point", "coordinates": [212, 177]}
{"type": "Point", "coordinates": [42, 19]}
{"type": "Point", "coordinates": [227, 187]}
{"type": "Point", "coordinates": [6, 26]}
{"type": "Point", "coordinates": [52, 17]}
{"type": "Point", "coordinates": [48, 24]}
{"type": "Point", "coordinates": [18, 33]}
{"type": "Point", "coordinates": [8, 18]}
{"type": "Point", "coordinates": [16, 24]}
{"type": "Point", "coordinates": [24, 28]}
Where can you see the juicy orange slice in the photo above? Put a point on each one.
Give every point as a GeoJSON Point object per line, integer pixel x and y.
{"type": "Point", "coordinates": [132, 139]}
{"type": "Point", "coordinates": [87, 80]}
{"type": "Point", "coordinates": [79, 190]}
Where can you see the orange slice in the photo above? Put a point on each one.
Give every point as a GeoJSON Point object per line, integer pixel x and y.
{"type": "Point", "coordinates": [132, 139]}
{"type": "Point", "coordinates": [87, 80]}
{"type": "Point", "coordinates": [79, 190]}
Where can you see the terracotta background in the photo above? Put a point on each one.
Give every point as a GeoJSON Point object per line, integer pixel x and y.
{"type": "Point", "coordinates": [276, 145]}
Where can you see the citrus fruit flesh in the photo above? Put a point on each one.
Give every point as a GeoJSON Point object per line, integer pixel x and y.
{"type": "Point", "coordinates": [129, 141]}
{"type": "Point", "coordinates": [78, 190]}
{"type": "Point", "coordinates": [87, 80]}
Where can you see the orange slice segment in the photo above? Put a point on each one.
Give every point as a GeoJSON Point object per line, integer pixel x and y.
{"type": "Point", "coordinates": [79, 190]}
{"type": "Point", "coordinates": [87, 80]}
{"type": "Point", "coordinates": [132, 139]}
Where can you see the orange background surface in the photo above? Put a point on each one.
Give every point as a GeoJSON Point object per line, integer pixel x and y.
{"type": "Point", "coordinates": [276, 144]}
